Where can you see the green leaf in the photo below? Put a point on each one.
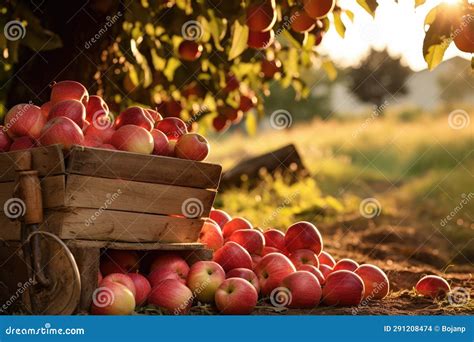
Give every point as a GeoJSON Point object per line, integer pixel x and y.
{"type": "Point", "coordinates": [240, 34]}
{"type": "Point", "coordinates": [340, 27]}
{"type": "Point", "coordinates": [419, 2]}
{"type": "Point", "coordinates": [330, 69]}
{"type": "Point", "coordinates": [369, 5]}
{"type": "Point", "coordinates": [251, 123]}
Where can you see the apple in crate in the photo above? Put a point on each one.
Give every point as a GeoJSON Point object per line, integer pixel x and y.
{"type": "Point", "coordinates": [192, 146]}
{"type": "Point", "coordinates": [235, 224]}
{"type": "Point", "coordinates": [375, 280]}
{"type": "Point", "coordinates": [246, 274]}
{"type": "Point", "coordinates": [61, 130]}
{"type": "Point", "coordinates": [220, 217]}
{"type": "Point", "coordinates": [161, 144]}
{"type": "Point", "coordinates": [252, 240]}
{"type": "Point", "coordinates": [172, 127]}
{"type": "Point", "coordinates": [231, 256]}
{"type": "Point", "coordinates": [271, 270]}
{"type": "Point", "coordinates": [5, 140]}
{"type": "Point", "coordinates": [343, 288]}
{"type": "Point", "coordinates": [172, 296]}
{"type": "Point", "coordinates": [142, 288]}
{"type": "Point", "coordinates": [274, 238]}
{"type": "Point", "coordinates": [204, 278]}
{"type": "Point", "coordinates": [236, 296]}
{"type": "Point", "coordinates": [133, 138]}
{"type": "Point", "coordinates": [24, 120]}
{"type": "Point", "coordinates": [69, 90]}
{"type": "Point", "coordinates": [168, 266]}
{"type": "Point", "coordinates": [304, 290]}
{"type": "Point", "coordinates": [303, 235]}
{"type": "Point", "coordinates": [134, 116]}
{"type": "Point", "coordinates": [71, 109]}
{"type": "Point", "coordinates": [112, 298]}
{"type": "Point", "coordinates": [211, 235]}
{"type": "Point", "coordinates": [22, 143]}
{"type": "Point", "coordinates": [120, 278]}
{"type": "Point", "coordinates": [118, 261]}
{"type": "Point", "coordinates": [96, 107]}
{"type": "Point", "coordinates": [102, 134]}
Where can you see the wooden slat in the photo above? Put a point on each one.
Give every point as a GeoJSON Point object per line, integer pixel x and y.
{"type": "Point", "coordinates": [9, 230]}
{"type": "Point", "coordinates": [143, 168]}
{"type": "Point", "coordinates": [143, 246]}
{"type": "Point", "coordinates": [119, 194]}
{"type": "Point", "coordinates": [48, 161]}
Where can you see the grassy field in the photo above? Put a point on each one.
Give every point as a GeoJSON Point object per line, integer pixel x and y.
{"type": "Point", "coordinates": [420, 171]}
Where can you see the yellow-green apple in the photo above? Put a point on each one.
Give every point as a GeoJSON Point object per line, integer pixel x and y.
{"type": "Point", "coordinates": [161, 145]}
{"type": "Point", "coordinates": [142, 288]}
{"type": "Point", "coordinates": [232, 255]}
{"type": "Point", "coordinates": [61, 130]}
{"type": "Point", "coordinates": [271, 270]}
{"type": "Point", "coordinates": [96, 107]}
{"type": "Point", "coordinates": [312, 269]}
{"type": "Point", "coordinates": [246, 274]}
{"type": "Point", "coordinates": [112, 298]}
{"type": "Point", "coordinates": [172, 296]}
{"type": "Point", "coordinates": [235, 224]}
{"type": "Point", "coordinates": [118, 261]}
{"type": "Point", "coordinates": [303, 257]}
{"type": "Point", "coordinates": [261, 16]}
{"type": "Point", "coordinates": [236, 296]}
{"type": "Point", "coordinates": [318, 8]}
{"type": "Point", "coordinates": [5, 140]}
{"type": "Point", "coordinates": [204, 278]}
{"type": "Point", "coordinates": [375, 281]}
{"type": "Point", "coordinates": [24, 119]}
{"type": "Point", "coordinates": [172, 127]}
{"type": "Point", "coordinates": [22, 143]}
{"type": "Point", "coordinates": [133, 138]}
{"type": "Point", "coordinates": [168, 266]}
{"type": "Point", "coordinates": [252, 240]}
{"type": "Point", "coordinates": [303, 235]}
{"type": "Point", "coordinates": [220, 217]}
{"type": "Point", "coordinates": [69, 90]}
{"type": "Point", "coordinates": [71, 109]}
{"type": "Point", "coordinates": [275, 238]}
{"type": "Point", "coordinates": [325, 270]}
{"type": "Point", "coordinates": [343, 288]}
{"type": "Point", "coordinates": [326, 258]}
{"type": "Point", "coordinates": [211, 235]}
{"type": "Point", "coordinates": [305, 290]}
{"type": "Point", "coordinates": [192, 146]}
{"type": "Point", "coordinates": [120, 278]}
{"type": "Point", "coordinates": [134, 116]}
{"type": "Point", "coordinates": [432, 286]}
{"type": "Point", "coordinates": [189, 50]}
{"type": "Point", "coordinates": [346, 264]}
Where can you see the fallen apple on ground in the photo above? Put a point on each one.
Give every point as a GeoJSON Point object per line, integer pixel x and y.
{"type": "Point", "coordinates": [305, 290]}
{"type": "Point", "coordinates": [271, 270]}
{"type": "Point", "coordinates": [172, 296]}
{"type": "Point", "coordinates": [204, 278]}
{"type": "Point", "coordinates": [231, 256]}
{"type": "Point", "coordinates": [236, 296]}
{"type": "Point", "coordinates": [246, 274]}
{"type": "Point", "coordinates": [432, 286]}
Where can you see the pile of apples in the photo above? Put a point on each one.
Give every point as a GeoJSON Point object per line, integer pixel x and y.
{"type": "Point", "coordinates": [72, 117]}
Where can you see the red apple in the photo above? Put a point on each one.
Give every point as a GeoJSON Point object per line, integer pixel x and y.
{"type": "Point", "coordinates": [153, 114]}
{"type": "Point", "coordinates": [252, 240]}
{"type": "Point", "coordinates": [303, 235]}
{"type": "Point", "coordinates": [69, 90]}
{"type": "Point", "coordinates": [211, 235]}
{"type": "Point", "coordinates": [71, 109]}
{"type": "Point", "coordinates": [99, 134]}
{"type": "Point", "coordinates": [375, 280]}
{"type": "Point", "coordinates": [326, 258]}
{"type": "Point", "coordinates": [275, 238]}
{"type": "Point", "coordinates": [346, 264]}
{"type": "Point", "coordinates": [247, 102]}
{"type": "Point", "coordinates": [133, 138]}
{"type": "Point", "coordinates": [236, 296]}
{"type": "Point", "coordinates": [270, 67]}
{"type": "Point", "coordinates": [142, 288]}
{"type": "Point", "coordinates": [204, 278]}
{"type": "Point", "coordinates": [117, 261]}
{"type": "Point", "coordinates": [267, 250]}
{"type": "Point", "coordinates": [221, 123]}
{"type": "Point", "coordinates": [271, 270]}
{"type": "Point", "coordinates": [305, 290]}
{"type": "Point", "coordinates": [231, 256]}
{"type": "Point", "coordinates": [235, 224]}
{"type": "Point", "coordinates": [134, 116]}
{"type": "Point", "coordinates": [312, 269]}
{"type": "Point", "coordinates": [112, 298]}
{"type": "Point", "coordinates": [303, 257]}
{"type": "Point", "coordinates": [246, 274]}
{"type": "Point", "coordinates": [45, 108]}
{"type": "Point", "coordinates": [24, 120]}
{"type": "Point", "coordinates": [302, 22]}
{"type": "Point", "coordinates": [108, 147]}
{"type": "Point", "coordinates": [220, 217]}
{"type": "Point", "coordinates": [172, 127]}
{"type": "Point", "coordinates": [5, 140]}
{"type": "Point", "coordinates": [61, 130]}
{"type": "Point", "coordinates": [22, 143]}
{"type": "Point", "coordinates": [260, 40]}
{"type": "Point", "coordinates": [120, 278]}
{"type": "Point", "coordinates": [189, 50]}
{"type": "Point", "coordinates": [255, 260]}
{"type": "Point", "coordinates": [172, 296]}
{"type": "Point", "coordinates": [325, 270]}
{"type": "Point", "coordinates": [432, 286]}
{"type": "Point", "coordinates": [96, 107]}
{"type": "Point", "coordinates": [318, 8]}
{"type": "Point", "coordinates": [261, 16]}
{"type": "Point", "coordinates": [343, 288]}
{"type": "Point", "coordinates": [160, 143]}
{"type": "Point", "coordinates": [168, 266]}
{"type": "Point", "coordinates": [192, 146]}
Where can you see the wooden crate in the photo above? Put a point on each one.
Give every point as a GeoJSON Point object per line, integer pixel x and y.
{"type": "Point", "coordinates": [96, 194]}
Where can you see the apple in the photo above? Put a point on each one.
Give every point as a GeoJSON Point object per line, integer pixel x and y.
{"type": "Point", "coordinates": [246, 274]}
{"type": "Point", "coordinates": [69, 90]}
{"type": "Point", "coordinates": [161, 146]}
{"type": "Point", "coordinates": [134, 116]}
{"type": "Point", "coordinates": [168, 266]}
{"type": "Point", "coordinates": [326, 259]}
{"type": "Point", "coordinates": [172, 127]}
{"type": "Point", "coordinates": [22, 143]}
{"type": "Point", "coordinates": [112, 298]}
{"type": "Point", "coordinates": [271, 270]}
{"type": "Point", "coordinates": [312, 269]}
{"type": "Point", "coordinates": [375, 280]}
{"type": "Point", "coordinates": [99, 134]}
{"type": "Point", "coordinates": [232, 114]}
{"type": "Point", "coordinates": [172, 296]}
{"type": "Point", "coordinates": [432, 286]}
{"type": "Point", "coordinates": [255, 260]}
{"type": "Point", "coordinates": [267, 250]}
{"type": "Point", "coordinates": [303, 235]}
{"type": "Point", "coordinates": [260, 40]}
{"type": "Point", "coordinates": [120, 278]}
{"type": "Point", "coordinates": [45, 108]}
{"type": "Point", "coordinates": [261, 16]}
{"type": "Point", "coordinates": [204, 278]}
{"type": "Point", "coordinates": [5, 140]}
{"type": "Point", "coordinates": [318, 8]}
{"type": "Point", "coordinates": [71, 109]}
{"type": "Point", "coordinates": [192, 146]}
{"type": "Point", "coordinates": [96, 107]}
{"type": "Point", "coordinates": [269, 68]}
{"type": "Point", "coordinates": [211, 235]}
{"type": "Point", "coordinates": [220, 217]}
{"type": "Point", "coordinates": [142, 288]}
{"type": "Point", "coordinates": [232, 255]}
{"type": "Point", "coordinates": [189, 50]}
{"type": "Point", "coordinates": [305, 290]}
{"type": "Point", "coordinates": [303, 257]}
{"type": "Point", "coordinates": [464, 40]}
{"type": "Point", "coordinates": [107, 147]}
{"type": "Point", "coordinates": [117, 261]}
{"type": "Point", "coordinates": [236, 296]}
{"type": "Point", "coordinates": [252, 240]}
{"type": "Point", "coordinates": [343, 288]}
{"type": "Point", "coordinates": [274, 238]}
{"type": "Point", "coordinates": [61, 130]}
{"type": "Point", "coordinates": [24, 120]}
{"type": "Point", "coordinates": [234, 224]}
{"type": "Point", "coordinates": [346, 264]}
{"type": "Point", "coordinates": [247, 102]}
{"type": "Point", "coordinates": [153, 114]}
{"type": "Point", "coordinates": [221, 123]}
{"type": "Point", "coordinates": [133, 138]}
{"type": "Point", "coordinates": [325, 270]}
{"type": "Point", "coordinates": [302, 22]}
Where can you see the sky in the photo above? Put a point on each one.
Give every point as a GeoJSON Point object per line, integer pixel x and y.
{"type": "Point", "coordinates": [396, 26]}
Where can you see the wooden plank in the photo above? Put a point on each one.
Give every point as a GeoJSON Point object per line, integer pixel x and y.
{"type": "Point", "coordinates": [87, 260]}
{"type": "Point", "coordinates": [48, 161]}
{"type": "Point", "coordinates": [142, 246]}
{"type": "Point", "coordinates": [119, 194]}
{"type": "Point", "coordinates": [9, 230]}
{"type": "Point", "coordinates": [143, 168]}
{"type": "Point", "coordinates": [112, 225]}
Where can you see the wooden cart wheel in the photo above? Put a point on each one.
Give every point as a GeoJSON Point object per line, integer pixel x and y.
{"type": "Point", "coordinates": [62, 295]}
